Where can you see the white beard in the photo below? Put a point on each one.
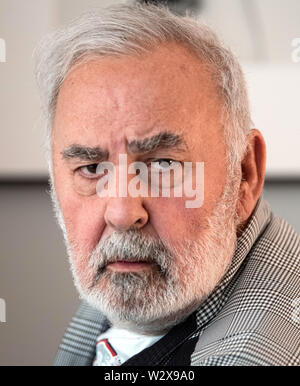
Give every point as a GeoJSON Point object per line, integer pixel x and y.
{"type": "Point", "coordinates": [186, 273]}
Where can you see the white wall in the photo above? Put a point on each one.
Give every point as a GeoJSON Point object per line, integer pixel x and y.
{"type": "Point", "coordinates": [21, 25]}
{"type": "Point", "coordinates": [274, 91]}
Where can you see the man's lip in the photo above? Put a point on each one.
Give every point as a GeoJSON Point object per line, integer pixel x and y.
{"type": "Point", "coordinates": [130, 266]}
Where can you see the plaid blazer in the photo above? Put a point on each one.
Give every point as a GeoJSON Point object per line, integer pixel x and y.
{"type": "Point", "coordinates": [251, 318]}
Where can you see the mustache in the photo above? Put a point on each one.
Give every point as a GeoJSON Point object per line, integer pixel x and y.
{"type": "Point", "coordinates": [130, 246]}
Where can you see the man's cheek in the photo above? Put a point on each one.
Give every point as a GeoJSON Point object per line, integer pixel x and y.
{"type": "Point", "coordinates": [84, 225]}
{"type": "Point", "coordinates": [83, 231]}
{"type": "Point", "coordinates": [84, 272]}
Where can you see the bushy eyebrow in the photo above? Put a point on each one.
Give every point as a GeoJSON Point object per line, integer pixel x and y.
{"type": "Point", "coordinates": [85, 153]}
{"type": "Point", "coordinates": [164, 140]}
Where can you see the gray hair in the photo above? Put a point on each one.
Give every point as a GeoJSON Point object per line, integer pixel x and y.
{"type": "Point", "coordinates": [131, 29]}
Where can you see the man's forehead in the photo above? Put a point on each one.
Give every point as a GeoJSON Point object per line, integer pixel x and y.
{"type": "Point", "coordinates": [162, 58]}
{"type": "Point", "coordinates": [167, 73]}
{"type": "Point", "coordinates": [120, 109]}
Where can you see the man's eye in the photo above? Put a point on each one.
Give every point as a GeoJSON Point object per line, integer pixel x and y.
{"type": "Point", "coordinates": [89, 171]}
{"type": "Point", "coordinates": [164, 164]}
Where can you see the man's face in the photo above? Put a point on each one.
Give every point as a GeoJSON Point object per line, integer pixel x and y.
{"type": "Point", "coordinates": [145, 261]}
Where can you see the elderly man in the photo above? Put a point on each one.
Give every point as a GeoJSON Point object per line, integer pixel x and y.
{"type": "Point", "coordinates": [163, 282]}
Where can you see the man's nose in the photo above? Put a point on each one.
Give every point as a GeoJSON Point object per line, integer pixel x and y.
{"type": "Point", "coordinates": [124, 213]}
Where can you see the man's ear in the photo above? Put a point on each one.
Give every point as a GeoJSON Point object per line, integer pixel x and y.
{"type": "Point", "coordinates": [253, 168]}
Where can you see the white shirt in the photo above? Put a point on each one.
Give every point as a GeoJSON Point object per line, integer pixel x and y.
{"type": "Point", "coordinates": [117, 345]}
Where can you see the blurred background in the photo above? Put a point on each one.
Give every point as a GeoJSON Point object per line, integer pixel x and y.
{"type": "Point", "coordinates": [35, 280]}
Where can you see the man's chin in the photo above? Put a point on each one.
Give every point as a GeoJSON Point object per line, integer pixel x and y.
{"type": "Point", "coordinates": [138, 301]}
{"type": "Point", "coordinates": [141, 316]}
{"type": "Point", "coordinates": [127, 281]}
{"type": "Point", "coordinates": [131, 289]}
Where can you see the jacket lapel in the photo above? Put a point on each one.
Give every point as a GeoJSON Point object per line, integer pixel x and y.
{"type": "Point", "coordinates": [79, 342]}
